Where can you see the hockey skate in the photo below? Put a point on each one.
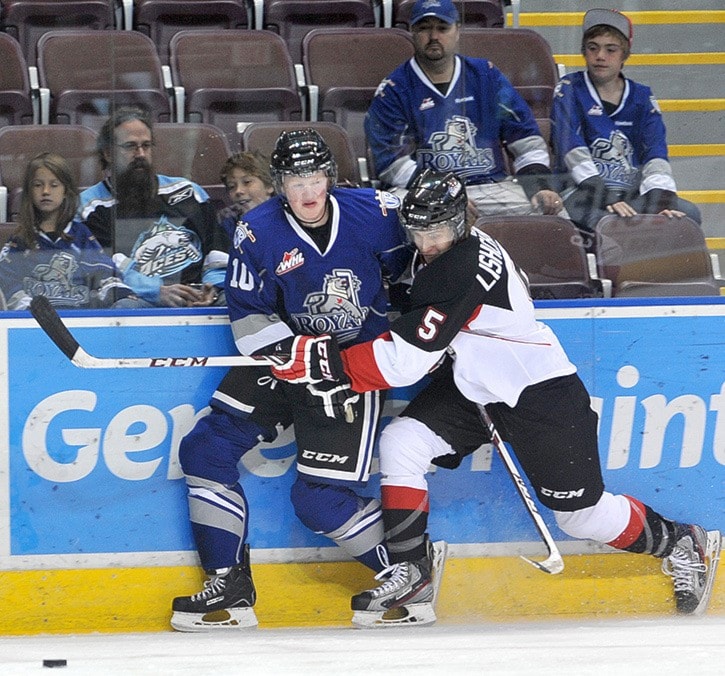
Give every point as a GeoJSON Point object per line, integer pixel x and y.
{"type": "Point", "coordinates": [692, 566]}
{"type": "Point", "coordinates": [407, 596]}
{"type": "Point", "coordinates": [225, 602]}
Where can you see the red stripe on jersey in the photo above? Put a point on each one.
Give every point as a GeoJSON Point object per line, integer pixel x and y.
{"type": "Point", "coordinates": [403, 497]}
{"type": "Point", "coordinates": [362, 369]}
{"type": "Point", "coordinates": [637, 518]}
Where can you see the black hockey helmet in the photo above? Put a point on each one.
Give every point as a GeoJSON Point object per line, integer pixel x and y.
{"type": "Point", "coordinates": [301, 152]}
{"type": "Point", "coordinates": [435, 200]}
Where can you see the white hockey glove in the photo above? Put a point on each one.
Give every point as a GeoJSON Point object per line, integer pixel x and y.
{"type": "Point", "coordinates": [316, 363]}
{"type": "Point", "coordinates": [312, 360]}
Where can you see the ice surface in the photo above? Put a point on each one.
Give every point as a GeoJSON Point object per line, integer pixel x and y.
{"type": "Point", "coordinates": [629, 647]}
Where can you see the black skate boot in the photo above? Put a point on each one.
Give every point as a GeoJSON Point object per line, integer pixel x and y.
{"type": "Point", "coordinates": [692, 565]}
{"type": "Point", "coordinates": [225, 602]}
{"type": "Point", "coordinates": [410, 588]}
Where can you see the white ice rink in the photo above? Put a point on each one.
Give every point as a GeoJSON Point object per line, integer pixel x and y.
{"type": "Point", "coordinates": [679, 646]}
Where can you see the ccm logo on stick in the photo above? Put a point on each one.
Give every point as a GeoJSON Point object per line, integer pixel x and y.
{"type": "Point", "coordinates": [179, 361]}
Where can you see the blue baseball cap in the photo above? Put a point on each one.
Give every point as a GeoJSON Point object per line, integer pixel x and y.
{"type": "Point", "coordinates": [444, 10]}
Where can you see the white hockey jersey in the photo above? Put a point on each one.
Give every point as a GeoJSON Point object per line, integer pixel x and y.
{"type": "Point", "coordinates": [473, 303]}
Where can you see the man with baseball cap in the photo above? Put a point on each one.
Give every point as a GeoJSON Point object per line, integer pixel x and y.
{"type": "Point", "coordinates": [447, 112]}
{"type": "Point", "coordinates": [608, 134]}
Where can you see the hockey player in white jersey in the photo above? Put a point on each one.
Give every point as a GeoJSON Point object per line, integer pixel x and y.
{"type": "Point", "coordinates": [311, 260]}
{"type": "Point", "coordinates": [471, 312]}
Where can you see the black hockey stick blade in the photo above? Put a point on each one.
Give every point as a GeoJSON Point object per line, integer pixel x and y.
{"type": "Point", "coordinates": [52, 324]}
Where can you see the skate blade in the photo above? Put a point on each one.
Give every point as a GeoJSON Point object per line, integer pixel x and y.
{"type": "Point", "coordinates": [712, 557]}
{"type": "Point", "coordinates": [414, 614]}
{"type": "Point", "coordinates": [230, 618]}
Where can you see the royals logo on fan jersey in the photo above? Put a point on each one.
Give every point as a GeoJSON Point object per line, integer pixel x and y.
{"type": "Point", "coordinates": [54, 280]}
{"type": "Point", "coordinates": [454, 149]}
{"type": "Point", "coordinates": [614, 159]}
{"type": "Point", "coordinates": [166, 249]}
{"type": "Point", "coordinates": [336, 309]}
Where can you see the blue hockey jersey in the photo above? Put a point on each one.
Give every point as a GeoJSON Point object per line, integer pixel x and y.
{"type": "Point", "coordinates": [72, 272]}
{"type": "Point", "coordinates": [626, 149]}
{"type": "Point", "coordinates": [410, 124]}
{"type": "Point", "coordinates": [279, 283]}
{"type": "Point", "coordinates": [171, 243]}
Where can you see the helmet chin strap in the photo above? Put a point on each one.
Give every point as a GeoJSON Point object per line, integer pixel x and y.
{"type": "Point", "coordinates": [309, 224]}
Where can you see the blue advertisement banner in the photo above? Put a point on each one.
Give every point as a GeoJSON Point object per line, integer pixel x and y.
{"type": "Point", "coordinates": [93, 467]}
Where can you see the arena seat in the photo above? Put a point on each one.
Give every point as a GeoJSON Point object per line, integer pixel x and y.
{"type": "Point", "coordinates": [525, 58]}
{"type": "Point", "coordinates": [654, 255]}
{"type": "Point", "coordinates": [482, 13]}
{"type": "Point", "coordinates": [343, 95]}
{"type": "Point", "coordinates": [6, 229]}
{"type": "Point", "coordinates": [229, 77]}
{"type": "Point", "coordinates": [263, 136]}
{"type": "Point", "coordinates": [16, 104]}
{"type": "Point", "coordinates": [293, 19]}
{"type": "Point", "coordinates": [20, 144]}
{"type": "Point", "coordinates": [162, 19]}
{"type": "Point", "coordinates": [549, 250]}
{"type": "Point", "coordinates": [28, 20]}
{"type": "Point", "coordinates": [88, 73]}
{"type": "Point", "coordinates": [194, 150]}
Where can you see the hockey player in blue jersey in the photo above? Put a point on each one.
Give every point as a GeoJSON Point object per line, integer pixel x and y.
{"type": "Point", "coordinates": [447, 112]}
{"type": "Point", "coordinates": [311, 260]}
{"type": "Point", "coordinates": [608, 135]}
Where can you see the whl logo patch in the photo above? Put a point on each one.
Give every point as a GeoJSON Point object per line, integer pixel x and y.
{"type": "Point", "coordinates": [291, 260]}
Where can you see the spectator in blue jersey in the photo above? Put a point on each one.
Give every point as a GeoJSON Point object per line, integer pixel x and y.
{"type": "Point", "coordinates": [447, 112]}
{"type": "Point", "coordinates": [312, 259]}
{"type": "Point", "coordinates": [50, 253]}
{"type": "Point", "coordinates": [608, 135]}
{"type": "Point", "coordinates": [160, 228]}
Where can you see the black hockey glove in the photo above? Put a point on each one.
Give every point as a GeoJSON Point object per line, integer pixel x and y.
{"type": "Point", "coordinates": [334, 399]}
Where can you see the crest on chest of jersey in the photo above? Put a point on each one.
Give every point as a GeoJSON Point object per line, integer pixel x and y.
{"type": "Point", "coordinates": [302, 152]}
{"type": "Point", "coordinates": [435, 201]}
{"type": "Point", "coordinates": [165, 249]}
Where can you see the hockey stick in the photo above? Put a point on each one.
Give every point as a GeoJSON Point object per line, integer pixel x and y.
{"type": "Point", "coordinates": [554, 564]}
{"type": "Point", "coordinates": [46, 315]}
{"type": "Point", "coordinates": [49, 320]}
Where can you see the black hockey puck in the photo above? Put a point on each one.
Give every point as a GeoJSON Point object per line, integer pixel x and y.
{"type": "Point", "coordinates": [55, 663]}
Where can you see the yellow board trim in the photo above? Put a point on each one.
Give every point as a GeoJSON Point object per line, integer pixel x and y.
{"type": "Point", "coordinates": [318, 594]}
{"type": "Point", "coordinates": [637, 18]}
{"type": "Point", "coordinates": [715, 242]}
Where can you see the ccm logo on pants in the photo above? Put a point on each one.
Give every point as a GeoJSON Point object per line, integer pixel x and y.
{"type": "Point", "coordinates": [325, 457]}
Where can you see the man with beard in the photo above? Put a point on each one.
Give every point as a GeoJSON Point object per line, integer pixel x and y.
{"type": "Point", "coordinates": [162, 229]}
{"type": "Point", "coordinates": [447, 112]}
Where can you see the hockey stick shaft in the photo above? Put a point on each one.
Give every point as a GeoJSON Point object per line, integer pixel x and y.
{"type": "Point", "coordinates": [554, 563]}
{"type": "Point", "coordinates": [49, 320]}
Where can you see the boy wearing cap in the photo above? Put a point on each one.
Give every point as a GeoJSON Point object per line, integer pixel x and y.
{"type": "Point", "coordinates": [608, 134]}
{"type": "Point", "coordinates": [443, 111]}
